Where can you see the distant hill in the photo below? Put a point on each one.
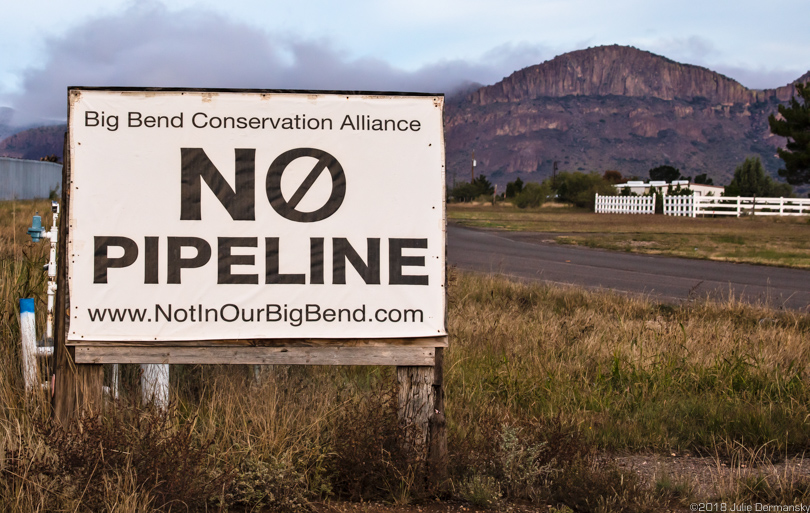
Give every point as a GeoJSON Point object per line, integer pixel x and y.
{"type": "Point", "coordinates": [35, 143]}
{"type": "Point", "coordinates": [611, 107]}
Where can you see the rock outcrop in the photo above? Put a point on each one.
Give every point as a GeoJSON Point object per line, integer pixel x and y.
{"type": "Point", "coordinates": [611, 107]}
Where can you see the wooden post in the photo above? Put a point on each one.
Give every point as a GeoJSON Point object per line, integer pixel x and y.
{"type": "Point", "coordinates": [155, 384]}
{"type": "Point", "coordinates": [415, 399]}
{"type": "Point", "coordinates": [437, 432]}
{"type": "Point", "coordinates": [77, 388]}
{"type": "Point", "coordinates": [421, 414]}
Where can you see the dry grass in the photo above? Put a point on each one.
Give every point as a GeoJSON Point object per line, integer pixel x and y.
{"type": "Point", "coordinates": [544, 384]}
{"type": "Point", "coordinates": [781, 241]}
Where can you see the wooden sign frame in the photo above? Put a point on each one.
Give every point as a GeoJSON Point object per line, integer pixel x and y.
{"type": "Point", "coordinates": [79, 364]}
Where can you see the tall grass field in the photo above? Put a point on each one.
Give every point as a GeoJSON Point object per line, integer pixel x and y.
{"type": "Point", "coordinates": [557, 399]}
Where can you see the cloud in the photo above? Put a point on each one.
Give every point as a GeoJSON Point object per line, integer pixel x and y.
{"type": "Point", "coordinates": [761, 78]}
{"type": "Point", "coordinates": [150, 46]}
{"type": "Point", "coordinates": [702, 52]}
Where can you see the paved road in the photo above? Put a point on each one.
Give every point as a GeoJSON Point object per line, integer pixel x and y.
{"type": "Point", "coordinates": [527, 256]}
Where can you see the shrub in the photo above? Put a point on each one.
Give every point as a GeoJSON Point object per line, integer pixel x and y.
{"type": "Point", "coordinates": [581, 188]}
{"type": "Point", "coordinates": [533, 195]}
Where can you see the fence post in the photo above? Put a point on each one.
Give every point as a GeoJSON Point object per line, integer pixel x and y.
{"type": "Point", "coordinates": [28, 336]}
{"type": "Point", "coordinates": [77, 388]}
{"type": "Point", "coordinates": [155, 384]}
{"type": "Point", "coordinates": [781, 206]}
{"type": "Point", "coordinates": [420, 397]}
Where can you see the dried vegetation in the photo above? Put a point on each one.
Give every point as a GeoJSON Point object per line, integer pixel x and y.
{"type": "Point", "coordinates": [553, 395]}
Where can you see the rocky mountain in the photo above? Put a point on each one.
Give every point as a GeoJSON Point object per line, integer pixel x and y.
{"type": "Point", "coordinates": [35, 143]}
{"type": "Point", "coordinates": [611, 107]}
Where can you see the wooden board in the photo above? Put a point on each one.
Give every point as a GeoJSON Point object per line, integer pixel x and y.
{"type": "Point", "coordinates": [301, 342]}
{"type": "Point", "coordinates": [236, 355]}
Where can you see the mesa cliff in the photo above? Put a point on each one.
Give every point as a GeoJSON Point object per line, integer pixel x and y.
{"type": "Point", "coordinates": [611, 107]}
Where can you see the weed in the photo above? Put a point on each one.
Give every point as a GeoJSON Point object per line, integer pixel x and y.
{"type": "Point", "coordinates": [368, 458]}
{"type": "Point", "coordinates": [481, 490]}
{"type": "Point", "coordinates": [143, 445]}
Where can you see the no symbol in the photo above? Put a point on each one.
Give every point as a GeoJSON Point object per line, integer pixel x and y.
{"type": "Point", "coordinates": [287, 207]}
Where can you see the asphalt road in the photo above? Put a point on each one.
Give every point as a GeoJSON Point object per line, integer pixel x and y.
{"type": "Point", "coordinates": [526, 256]}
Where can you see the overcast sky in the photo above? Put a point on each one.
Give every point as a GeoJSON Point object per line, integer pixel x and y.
{"type": "Point", "coordinates": [419, 45]}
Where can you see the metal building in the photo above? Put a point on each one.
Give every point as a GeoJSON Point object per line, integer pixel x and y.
{"type": "Point", "coordinates": [28, 179]}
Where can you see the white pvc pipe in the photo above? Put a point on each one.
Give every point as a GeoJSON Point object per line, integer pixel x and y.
{"type": "Point", "coordinates": [155, 384]}
{"type": "Point", "coordinates": [115, 379]}
{"type": "Point", "coordinates": [28, 334]}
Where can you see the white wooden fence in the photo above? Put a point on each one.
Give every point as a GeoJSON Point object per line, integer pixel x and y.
{"type": "Point", "coordinates": [625, 204]}
{"type": "Point", "coordinates": [693, 206]}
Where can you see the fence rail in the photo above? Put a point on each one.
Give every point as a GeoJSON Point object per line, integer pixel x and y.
{"type": "Point", "coordinates": [625, 204]}
{"type": "Point", "coordinates": [693, 206]}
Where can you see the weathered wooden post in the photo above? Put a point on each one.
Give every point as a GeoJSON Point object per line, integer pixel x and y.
{"type": "Point", "coordinates": [421, 413]}
{"type": "Point", "coordinates": [77, 388]}
{"type": "Point", "coordinates": [155, 384]}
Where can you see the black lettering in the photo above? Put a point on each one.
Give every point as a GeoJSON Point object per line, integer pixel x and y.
{"type": "Point", "coordinates": [101, 262]}
{"type": "Point", "coordinates": [347, 121]}
{"type": "Point", "coordinates": [286, 208]}
{"type": "Point", "coordinates": [342, 250]}
{"type": "Point", "coordinates": [313, 313]}
{"type": "Point", "coordinates": [275, 312]}
{"type": "Point", "coordinates": [225, 259]}
{"type": "Point", "coordinates": [235, 312]}
{"type": "Point", "coordinates": [396, 261]}
{"type": "Point", "coordinates": [316, 260]}
{"type": "Point", "coordinates": [271, 263]}
{"type": "Point", "coordinates": [91, 118]}
{"type": "Point", "coordinates": [167, 316]}
{"type": "Point", "coordinates": [195, 164]}
{"type": "Point", "coordinates": [134, 120]}
{"type": "Point", "coordinates": [96, 314]}
{"type": "Point", "coordinates": [150, 271]}
{"type": "Point", "coordinates": [176, 262]}
{"type": "Point", "coordinates": [296, 317]}
{"type": "Point", "coordinates": [204, 120]}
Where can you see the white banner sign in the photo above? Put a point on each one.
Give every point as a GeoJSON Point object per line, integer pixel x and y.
{"type": "Point", "coordinates": [212, 215]}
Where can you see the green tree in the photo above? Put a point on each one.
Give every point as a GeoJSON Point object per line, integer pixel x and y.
{"type": "Point", "coordinates": [533, 195]}
{"type": "Point", "coordinates": [665, 173]}
{"type": "Point", "coordinates": [612, 176]}
{"type": "Point", "coordinates": [703, 179]}
{"type": "Point", "coordinates": [750, 180]}
{"type": "Point", "coordinates": [466, 191]}
{"type": "Point", "coordinates": [581, 188]}
{"type": "Point", "coordinates": [794, 124]}
{"type": "Point", "coordinates": [514, 188]}
{"type": "Point", "coordinates": [484, 185]}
